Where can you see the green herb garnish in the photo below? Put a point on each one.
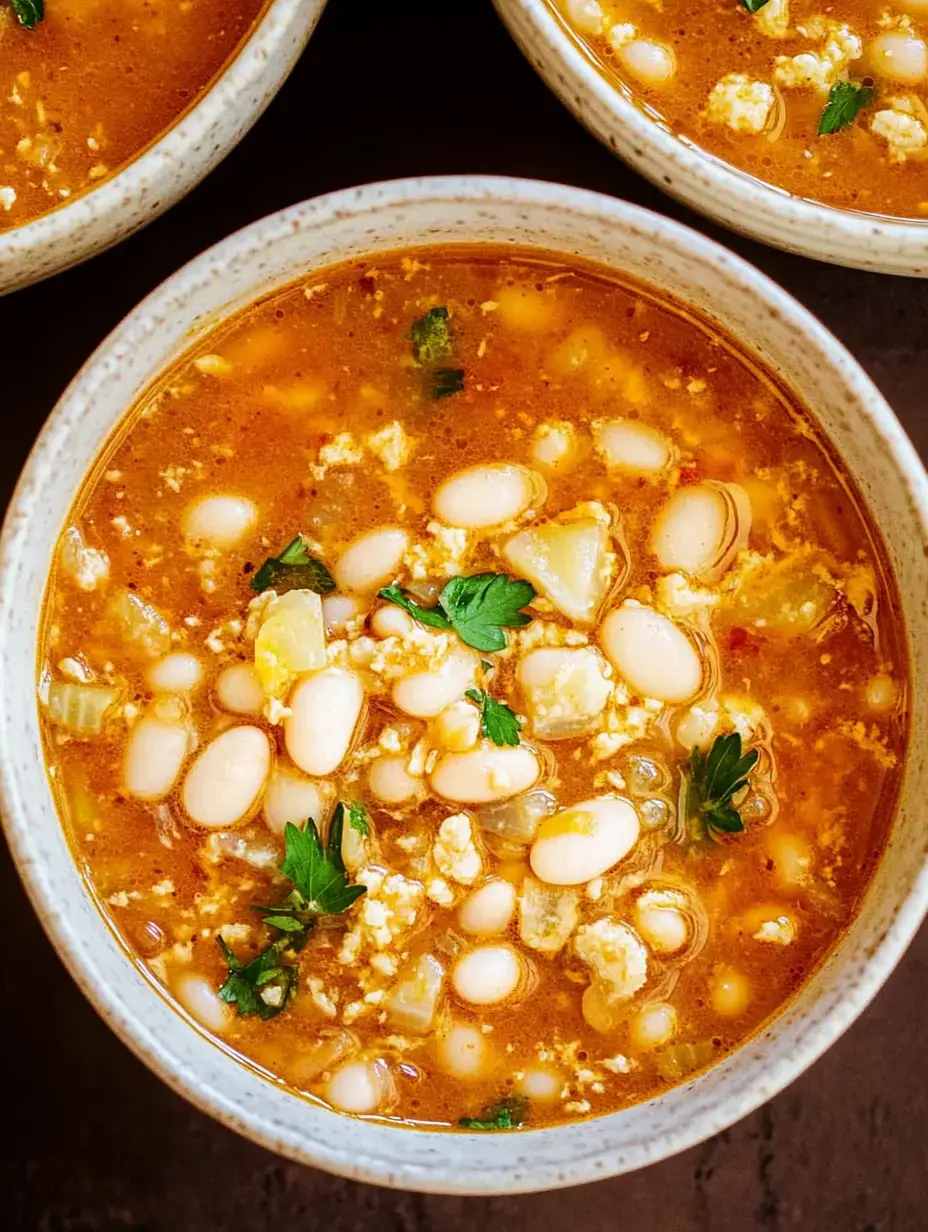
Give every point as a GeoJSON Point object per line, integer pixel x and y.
{"type": "Point", "coordinates": [497, 722]}
{"type": "Point", "coordinates": [445, 382]}
{"type": "Point", "coordinates": [431, 336]}
{"type": "Point", "coordinates": [509, 1113]}
{"type": "Point", "coordinates": [294, 569]}
{"type": "Point", "coordinates": [753, 6]}
{"type": "Point", "coordinates": [357, 818]}
{"type": "Point", "coordinates": [264, 986]}
{"type": "Point", "coordinates": [711, 781]}
{"type": "Point", "coordinates": [28, 12]}
{"type": "Point", "coordinates": [845, 100]}
{"type": "Point", "coordinates": [477, 608]}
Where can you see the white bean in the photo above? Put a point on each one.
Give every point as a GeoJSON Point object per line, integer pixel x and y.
{"type": "Point", "coordinates": [661, 922]}
{"type": "Point", "coordinates": [542, 1085]}
{"type": "Point", "coordinates": [325, 709]}
{"type": "Point", "coordinates": [426, 694]}
{"type": "Point", "coordinates": [291, 796]}
{"type": "Point", "coordinates": [899, 56]}
{"type": "Point", "coordinates": [881, 692]}
{"type": "Point", "coordinates": [729, 992]}
{"type": "Point", "coordinates": [652, 653]}
{"type": "Point", "coordinates": [653, 1025]}
{"type": "Point", "coordinates": [488, 910]}
{"type": "Point", "coordinates": [338, 611]}
{"type": "Point", "coordinates": [178, 672]}
{"type": "Point", "coordinates": [485, 774]}
{"type": "Point", "coordinates": [359, 1087]}
{"type": "Point", "coordinates": [218, 521]}
{"type": "Point", "coordinates": [487, 975]}
{"type": "Point", "coordinates": [650, 63]}
{"type": "Point", "coordinates": [586, 16]}
{"type": "Point", "coordinates": [154, 756]}
{"type": "Point", "coordinates": [699, 529]}
{"type": "Point", "coordinates": [391, 621]}
{"type": "Point", "coordinates": [630, 446]}
{"type": "Point", "coordinates": [584, 841]}
{"type": "Point", "coordinates": [238, 689]}
{"type": "Point", "coordinates": [463, 1052]}
{"type": "Point", "coordinates": [391, 782]}
{"type": "Point", "coordinates": [224, 783]}
{"type": "Point", "coordinates": [198, 997]}
{"type": "Point", "coordinates": [487, 495]}
{"type": "Point", "coordinates": [372, 560]}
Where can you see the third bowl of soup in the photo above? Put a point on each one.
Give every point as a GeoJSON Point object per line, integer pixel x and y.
{"type": "Point", "coordinates": [467, 740]}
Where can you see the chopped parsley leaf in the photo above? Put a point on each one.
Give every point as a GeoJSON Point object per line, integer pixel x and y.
{"type": "Point", "coordinates": [320, 882]}
{"type": "Point", "coordinates": [357, 819]}
{"type": "Point", "coordinates": [478, 608]}
{"type": "Point", "coordinates": [710, 781]}
{"type": "Point", "coordinates": [431, 336]}
{"type": "Point", "coordinates": [753, 6]}
{"type": "Point", "coordinates": [294, 569]}
{"type": "Point", "coordinates": [265, 986]}
{"type": "Point", "coordinates": [509, 1113]}
{"type": "Point", "coordinates": [28, 12]}
{"type": "Point", "coordinates": [497, 722]}
{"type": "Point", "coordinates": [845, 100]}
{"type": "Point", "coordinates": [445, 382]}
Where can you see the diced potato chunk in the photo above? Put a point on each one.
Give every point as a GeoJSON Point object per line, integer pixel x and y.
{"type": "Point", "coordinates": [547, 915]}
{"type": "Point", "coordinates": [291, 641]}
{"type": "Point", "coordinates": [412, 1002]}
{"type": "Point", "coordinates": [568, 560]}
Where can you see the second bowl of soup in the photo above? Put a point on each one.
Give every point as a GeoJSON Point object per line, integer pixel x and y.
{"type": "Point", "coordinates": [411, 685]}
{"type": "Point", "coordinates": [797, 125]}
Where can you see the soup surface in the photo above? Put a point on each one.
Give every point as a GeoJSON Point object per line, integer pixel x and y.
{"type": "Point", "coordinates": [556, 618]}
{"type": "Point", "coordinates": [827, 102]}
{"type": "Point", "coordinates": [90, 85]}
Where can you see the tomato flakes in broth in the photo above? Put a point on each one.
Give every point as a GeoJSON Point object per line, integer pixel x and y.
{"type": "Point", "coordinates": [619, 430]}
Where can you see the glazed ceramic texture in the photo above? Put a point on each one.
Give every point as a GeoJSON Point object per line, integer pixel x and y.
{"type": "Point", "coordinates": [172, 165]}
{"type": "Point", "coordinates": [700, 180]}
{"type": "Point", "coordinates": [253, 262]}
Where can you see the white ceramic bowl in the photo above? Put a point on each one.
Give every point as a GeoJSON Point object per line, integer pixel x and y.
{"type": "Point", "coordinates": [699, 179]}
{"type": "Point", "coordinates": [171, 165]}
{"type": "Point", "coordinates": [267, 255]}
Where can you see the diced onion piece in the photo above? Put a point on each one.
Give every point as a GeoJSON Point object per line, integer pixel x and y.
{"type": "Point", "coordinates": [142, 628]}
{"type": "Point", "coordinates": [423, 695]}
{"type": "Point", "coordinates": [517, 820]}
{"type": "Point", "coordinates": [485, 774]}
{"type": "Point", "coordinates": [198, 997]}
{"type": "Point", "coordinates": [547, 916]}
{"type": "Point", "coordinates": [412, 1003]}
{"type": "Point", "coordinates": [584, 841]}
{"type": "Point", "coordinates": [291, 641]}
{"type": "Point", "coordinates": [325, 709]}
{"type": "Point", "coordinates": [80, 709]}
{"type": "Point", "coordinates": [334, 1046]}
{"type": "Point", "coordinates": [652, 653]}
{"type": "Point", "coordinates": [488, 975]}
{"type": "Point", "coordinates": [625, 444]}
{"type": "Point", "coordinates": [224, 783]}
{"type": "Point", "coordinates": [463, 1052]}
{"type": "Point", "coordinates": [361, 1087]}
{"type": "Point", "coordinates": [238, 689]}
{"type": "Point", "coordinates": [290, 796]}
{"type": "Point", "coordinates": [155, 753]}
{"type": "Point", "coordinates": [218, 522]}
{"type": "Point", "coordinates": [700, 529]}
{"type": "Point", "coordinates": [87, 567]}
{"type": "Point", "coordinates": [372, 560]}
{"type": "Point", "coordinates": [568, 561]}
{"type": "Point", "coordinates": [489, 909]}
{"type": "Point", "coordinates": [679, 1061]}
{"type": "Point", "coordinates": [486, 496]}
{"type": "Point", "coordinates": [178, 672]}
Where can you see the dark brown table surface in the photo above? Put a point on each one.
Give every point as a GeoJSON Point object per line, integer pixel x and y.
{"type": "Point", "coordinates": [93, 1142]}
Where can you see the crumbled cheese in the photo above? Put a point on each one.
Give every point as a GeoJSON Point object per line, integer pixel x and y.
{"type": "Point", "coordinates": [326, 1002]}
{"type": "Point", "coordinates": [7, 197]}
{"type": "Point", "coordinates": [388, 909]}
{"type": "Point", "coordinates": [620, 34]}
{"type": "Point", "coordinates": [618, 1064]}
{"type": "Point", "coordinates": [455, 850]}
{"type": "Point", "coordinates": [819, 69]}
{"type": "Point", "coordinates": [439, 892]}
{"type": "Point", "coordinates": [740, 103]}
{"type": "Point", "coordinates": [570, 698]}
{"type": "Point", "coordinates": [615, 955]}
{"type": "Point", "coordinates": [163, 888]}
{"type": "Point", "coordinates": [546, 633]}
{"type": "Point", "coordinates": [678, 598]}
{"type": "Point", "coordinates": [232, 934]}
{"type": "Point", "coordinates": [343, 450]}
{"type": "Point", "coordinates": [780, 931]}
{"type": "Point", "coordinates": [773, 19]}
{"type": "Point", "coordinates": [443, 557]}
{"type": "Point", "coordinates": [578, 1106]}
{"type": "Point", "coordinates": [212, 365]}
{"type": "Point", "coordinates": [624, 724]}
{"type": "Point", "coordinates": [87, 567]}
{"type": "Point", "coordinates": [905, 134]}
{"type": "Point", "coordinates": [75, 669]}
{"type": "Point", "coordinates": [553, 444]}
{"type": "Point", "coordinates": [391, 445]}
{"type": "Point", "coordinates": [870, 740]}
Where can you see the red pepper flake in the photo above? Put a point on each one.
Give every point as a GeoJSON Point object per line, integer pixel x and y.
{"type": "Point", "coordinates": [739, 640]}
{"type": "Point", "coordinates": [688, 475]}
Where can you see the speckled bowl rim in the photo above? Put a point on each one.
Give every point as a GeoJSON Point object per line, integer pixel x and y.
{"type": "Point", "coordinates": [207, 1074]}
{"type": "Point", "coordinates": [102, 216]}
{"type": "Point", "coordinates": [704, 182]}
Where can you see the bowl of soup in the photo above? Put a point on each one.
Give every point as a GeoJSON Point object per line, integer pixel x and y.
{"type": "Point", "coordinates": [459, 645]}
{"type": "Point", "coordinates": [793, 124]}
{"type": "Point", "coordinates": [108, 116]}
